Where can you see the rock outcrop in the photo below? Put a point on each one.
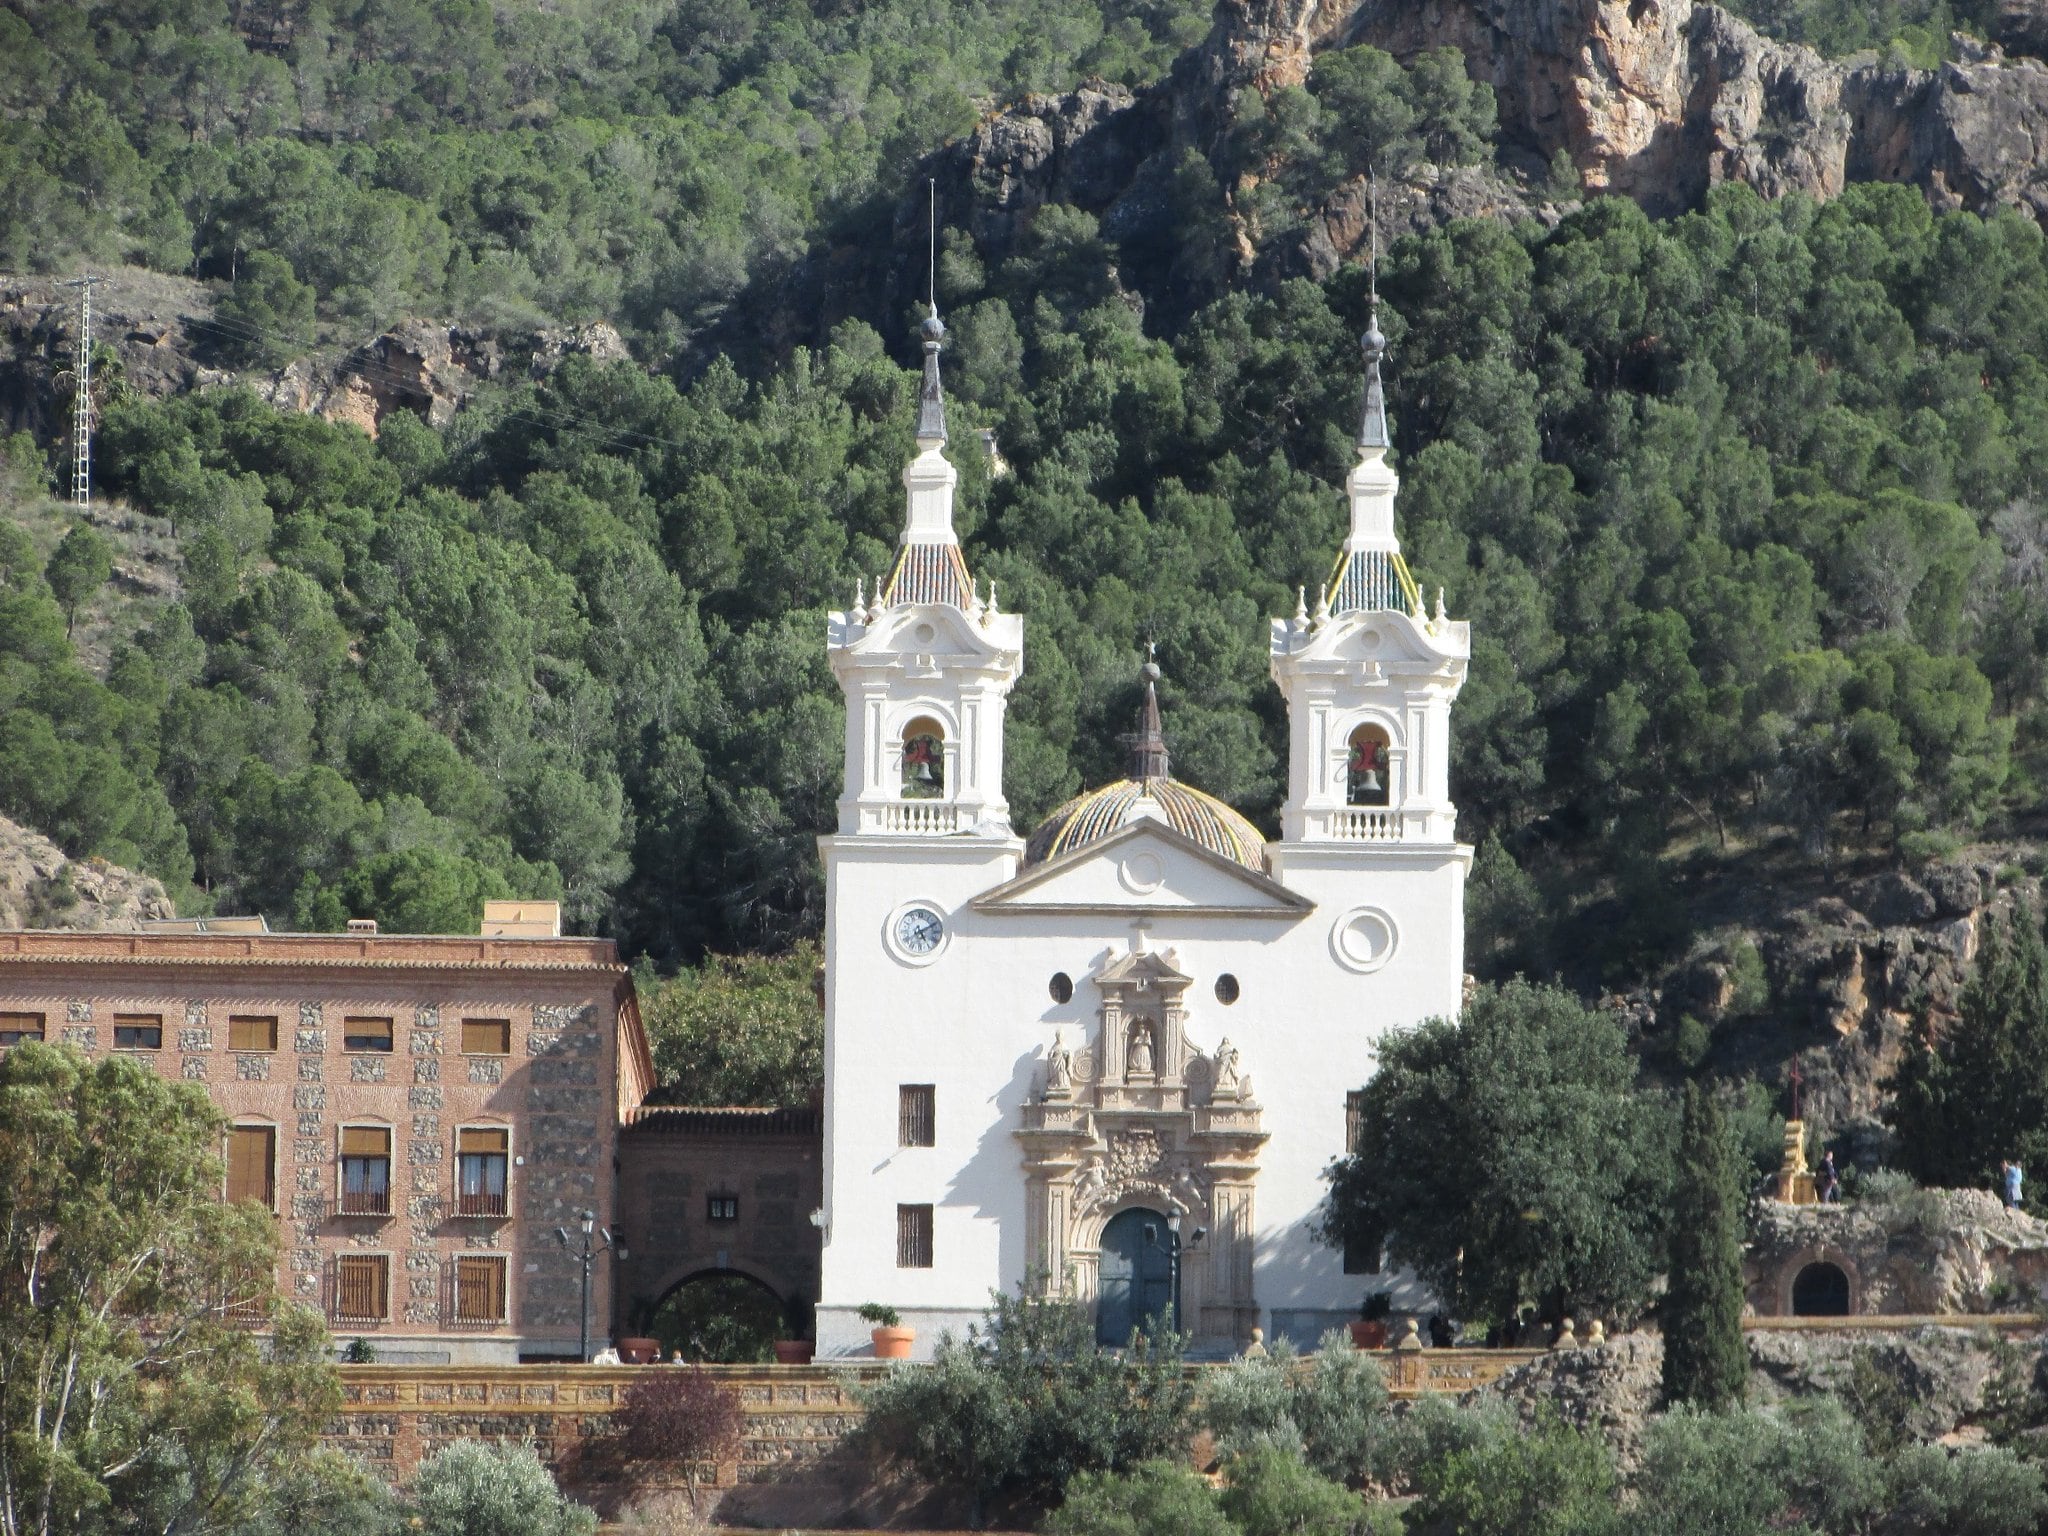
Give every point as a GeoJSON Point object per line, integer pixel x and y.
{"type": "Point", "coordinates": [1917, 1253]}
{"type": "Point", "coordinates": [1615, 1388]}
{"type": "Point", "coordinates": [41, 888]}
{"type": "Point", "coordinates": [162, 332]}
{"type": "Point", "coordinates": [1657, 100]}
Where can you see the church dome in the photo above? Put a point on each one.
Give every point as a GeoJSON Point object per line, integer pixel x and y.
{"type": "Point", "coordinates": [1201, 818]}
{"type": "Point", "coordinates": [1151, 793]}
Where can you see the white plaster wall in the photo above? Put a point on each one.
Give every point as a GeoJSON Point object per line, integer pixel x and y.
{"type": "Point", "coordinates": [977, 1021]}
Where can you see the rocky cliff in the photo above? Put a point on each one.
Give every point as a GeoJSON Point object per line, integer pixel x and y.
{"type": "Point", "coordinates": [1657, 100]}
{"type": "Point", "coordinates": [41, 888]}
{"type": "Point", "coordinates": [164, 336]}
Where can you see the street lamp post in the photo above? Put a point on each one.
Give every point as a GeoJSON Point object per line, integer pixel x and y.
{"type": "Point", "coordinates": [595, 1241]}
{"type": "Point", "coordinates": [1171, 1248]}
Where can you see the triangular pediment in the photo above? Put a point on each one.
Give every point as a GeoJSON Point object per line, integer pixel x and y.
{"type": "Point", "coordinates": [1144, 867]}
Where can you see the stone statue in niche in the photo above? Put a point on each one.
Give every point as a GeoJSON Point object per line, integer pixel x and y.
{"type": "Point", "coordinates": [1141, 1049]}
{"type": "Point", "coordinates": [1059, 1067]}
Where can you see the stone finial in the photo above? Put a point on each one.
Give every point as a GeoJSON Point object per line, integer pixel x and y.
{"type": "Point", "coordinates": [860, 600]}
{"type": "Point", "coordinates": [1256, 1350]}
{"type": "Point", "coordinates": [1323, 606]}
{"type": "Point", "coordinates": [1301, 607]}
{"type": "Point", "coordinates": [1566, 1339]}
{"type": "Point", "coordinates": [1411, 1337]}
{"type": "Point", "coordinates": [1596, 1335]}
{"type": "Point", "coordinates": [1441, 616]}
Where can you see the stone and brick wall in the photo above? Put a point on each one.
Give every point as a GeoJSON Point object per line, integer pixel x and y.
{"type": "Point", "coordinates": [394, 1416]}
{"type": "Point", "coordinates": [672, 1161]}
{"type": "Point", "coordinates": [576, 1060]}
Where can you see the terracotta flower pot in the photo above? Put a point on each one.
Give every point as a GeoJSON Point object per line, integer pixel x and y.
{"type": "Point", "coordinates": [639, 1351]}
{"type": "Point", "coordinates": [794, 1351]}
{"type": "Point", "coordinates": [894, 1343]}
{"type": "Point", "coordinates": [1372, 1335]}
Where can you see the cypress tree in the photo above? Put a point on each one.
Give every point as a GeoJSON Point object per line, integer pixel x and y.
{"type": "Point", "coordinates": [1705, 1361]}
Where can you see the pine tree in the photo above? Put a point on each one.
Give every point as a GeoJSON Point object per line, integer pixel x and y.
{"type": "Point", "coordinates": [1977, 1093]}
{"type": "Point", "coordinates": [1705, 1360]}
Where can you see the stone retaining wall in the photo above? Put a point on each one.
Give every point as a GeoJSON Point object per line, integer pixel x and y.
{"type": "Point", "coordinates": [393, 1416]}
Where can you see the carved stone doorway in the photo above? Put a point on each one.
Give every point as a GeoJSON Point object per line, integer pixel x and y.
{"type": "Point", "coordinates": [1141, 1122]}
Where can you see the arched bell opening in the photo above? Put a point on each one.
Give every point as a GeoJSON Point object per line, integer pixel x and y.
{"type": "Point", "coordinates": [1368, 774]}
{"type": "Point", "coordinates": [924, 759]}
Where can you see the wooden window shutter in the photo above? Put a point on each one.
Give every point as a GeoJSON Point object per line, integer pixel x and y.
{"type": "Point", "coordinates": [915, 1115]}
{"type": "Point", "coordinates": [251, 1161]}
{"type": "Point", "coordinates": [913, 1237]}
{"type": "Point", "coordinates": [486, 1037]}
{"type": "Point", "coordinates": [365, 1141]}
{"type": "Point", "coordinates": [252, 1032]}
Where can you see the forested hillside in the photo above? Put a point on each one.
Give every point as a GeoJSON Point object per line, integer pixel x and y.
{"type": "Point", "coordinates": [1745, 506]}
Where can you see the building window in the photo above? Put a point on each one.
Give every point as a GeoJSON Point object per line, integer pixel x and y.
{"type": "Point", "coordinates": [481, 1167]}
{"type": "Point", "coordinates": [487, 1037]}
{"type": "Point", "coordinates": [1354, 1120]}
{"type": "Point", "coordinates": [138, 1031]}
{"type": "Point", "coordinates": [914, 1115]}
{"type": "Point", "coordinates": [722, 1208]}
{"type": "Point", "coordinates": [365, 1170]}
{"type": "Point", "coordinates": [366, 1034]}
{"type": "Point", "coordinates": [252, 1159]}
{"type": "Point", "coordinates": [1365, 770]}
{"type": "Point", "coordinates": [924, 760]}
{"type": "Point", "coordinates": [362, 1287]}
{"type": "Point", "coordinates": [1362, 1255]}
{"type": "Point", "coordinates": [913, 1237]}
{"type": "Point", "coordinates": [17, 1027]}
{"type": "Point", "coordinates": [252, 1032]}
{"type": "Point", "coordinates": [480, 1290]}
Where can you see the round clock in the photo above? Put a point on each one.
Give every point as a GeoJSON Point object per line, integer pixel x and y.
{"type": "Point", "coordinates": [918, 932]}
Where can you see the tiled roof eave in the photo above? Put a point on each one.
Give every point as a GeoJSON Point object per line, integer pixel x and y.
{"type": "Point", "coordinates": [59, 959]}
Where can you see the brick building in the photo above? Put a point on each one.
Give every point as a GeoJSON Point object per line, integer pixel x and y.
{"type": "Point", "coordinates": [421, 1112]}
{"type": "Point", "coordinates": [706, 1192]}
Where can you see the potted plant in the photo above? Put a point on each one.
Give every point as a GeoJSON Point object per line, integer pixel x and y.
{"type": "Point", "coordinates": [1370, 1331]}
{"type": "Point", "coordinates": [796, 1347]}
{"type": "Point", "coordinates": [639, 1351]}
{"type": "Point", "coordinates": [892, 1339]}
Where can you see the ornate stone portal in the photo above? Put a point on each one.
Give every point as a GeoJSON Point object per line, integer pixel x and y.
{"type": "Point", "coordinates": [1141, 1118]}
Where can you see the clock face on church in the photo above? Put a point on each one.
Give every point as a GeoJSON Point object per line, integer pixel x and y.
{"type": "Point", "coordinates": [919, 931]}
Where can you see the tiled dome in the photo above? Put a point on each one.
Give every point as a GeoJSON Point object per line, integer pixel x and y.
{"type": "Point", "coordinates": [1194, 815]}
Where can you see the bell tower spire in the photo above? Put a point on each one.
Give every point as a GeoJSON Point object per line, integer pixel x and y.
{"type": "Point", "coordinates": [928, 566]}
{"type": "Point", "coordinates": [1149, 759]}
{"type": "Point", "coordinates": [1370, 677]}
{"type": "Point", "coordinates": [926, 665]}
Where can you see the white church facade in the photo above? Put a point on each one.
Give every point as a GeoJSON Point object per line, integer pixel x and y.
{"type": "Point", "coordinates": [1114, 1055]}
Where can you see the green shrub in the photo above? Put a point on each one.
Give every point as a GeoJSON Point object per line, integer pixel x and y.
{"type": "Point", "coordinates": [1553, 1481]}
{"type": "Point", "coordinates": [1249, 1404]}
{"type": "Point", "coordinates": [1027, 1401]}
{"type": "Point", "coordinates": [1268, 1492]}
{"type": "Point", "coordinates": [1749, 1474]}
{"type": "Point", "coordinates": [1155, 1498]}
{"type": "Point", "coordinates": [1431, 1430]}
{"type": "Point", "coordinates": [473, 1489]}
{"type": "Point", "coordinates": [1988, 1492]}
{"type": "Point", "coordinates": [1340, 1408]}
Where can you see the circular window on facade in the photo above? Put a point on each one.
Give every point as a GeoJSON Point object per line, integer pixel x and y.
{"type": "Point", "coordinates": [1061, 987]}
{"type": "Point", "coordinates": [1364, 939]}
{"type": "Point", "coordinates": [1226, 989]}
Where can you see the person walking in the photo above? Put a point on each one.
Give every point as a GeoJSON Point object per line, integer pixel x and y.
{"type": "Point", "coordinates": [2011, 1175]}
{"type": "Point", "coordinates": [1830, 1181]}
